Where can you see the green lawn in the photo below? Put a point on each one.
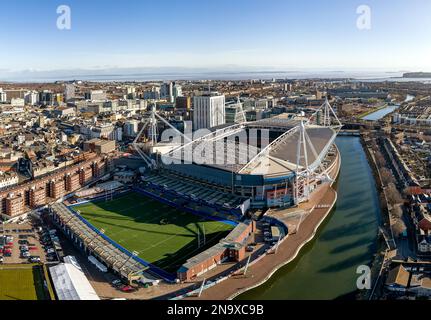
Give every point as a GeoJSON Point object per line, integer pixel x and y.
{"type": "Point", "coordinates": [21, 283]}
{"type": "Point", "coordinates": [134, 222]}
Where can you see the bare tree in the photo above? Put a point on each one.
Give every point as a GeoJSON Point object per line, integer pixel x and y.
{"type": "Point", "coordinates": [398, 227]}
{"type": "Point", "coordinates": [380, 159]}
{"type": "Point", "coordinates": [393, 195]}
{"type": "Point", "coordinates": [397, 211]}
{"type": "Point", "coordinates": [387, 176]}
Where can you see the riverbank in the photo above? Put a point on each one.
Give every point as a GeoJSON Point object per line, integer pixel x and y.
{"type": "Point", "coordinates": [377, 266]}
{"type": "Point", "coordinates": [325, 268]}
{"type": "Point", "coordinates": [315, 211]}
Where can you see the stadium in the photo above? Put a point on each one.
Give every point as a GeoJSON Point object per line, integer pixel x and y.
{"type": "Point", "coordinates": [274, 162]}
{"type": "Point", "coordinates": [190, 209]}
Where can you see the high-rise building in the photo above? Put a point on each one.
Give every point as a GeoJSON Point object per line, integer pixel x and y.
{"type": "Point", "coordinates": [235, 112]}
{"type": "Point", "coordinates": [209, 110]}
{"type": "Point", "coordinates": [177, 91]}
{"type": "Point", "coordinates": [131, 92]}
{"type": "Point", "coordinates": [69, 91]}
{"type": "Point", "coordinates": [31, 97]}
{"type": "Point", "coordinates": [3, 96]}
{"type": "Point", "coordinates": [183, 103]}
{"type": "Point", "coordinates": [153, 94]}
{"type": "Point", "coordinates": [167, 91]}
{"type": "Point", "coordinates": [95, 95]}
{"type": "Point", "coordinates": [46, 97]}
{"type": "Point", "coordinates": [131, 128]}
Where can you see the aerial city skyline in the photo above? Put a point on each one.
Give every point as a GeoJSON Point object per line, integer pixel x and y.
{"type": "Point", "coordinates": [225, 35]}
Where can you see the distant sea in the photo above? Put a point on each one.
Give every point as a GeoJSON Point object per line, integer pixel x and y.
{"type": "Point", "coordinates": [101, 76]}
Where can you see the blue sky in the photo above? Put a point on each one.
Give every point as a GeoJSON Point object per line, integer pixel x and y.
{"type": "Point", "coordinates": [282, 34]}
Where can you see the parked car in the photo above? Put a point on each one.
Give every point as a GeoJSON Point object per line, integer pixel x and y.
{"type": "Point", "coordinates": [34, 259]}
{"type": "Point", "coordinates": [117, 283]}
{"type": "Point", "coordinates": [128, 289]}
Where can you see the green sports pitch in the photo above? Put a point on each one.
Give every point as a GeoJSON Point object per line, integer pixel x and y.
{"type": "Point", "coordinates": [21, 282]}
{"type": "Point", "coordinates": [160, 234]}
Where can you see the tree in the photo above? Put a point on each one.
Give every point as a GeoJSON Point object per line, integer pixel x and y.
{"type": "Point", "coordinates": [393, 195]}
{"type": "Point", "coordinates": [387, 176]}
{"type": "Point", "coordinates": [398, 228]}
{"type": "Point", "coordinates": [380, 159]}
{"type": "Point", "coordinates": [397, 211]}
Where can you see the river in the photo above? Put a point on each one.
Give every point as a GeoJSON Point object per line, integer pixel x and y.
{"type": "Point", "coordinates": [379, 114]}
{"type": "Point", "coordinates": [326, 267]}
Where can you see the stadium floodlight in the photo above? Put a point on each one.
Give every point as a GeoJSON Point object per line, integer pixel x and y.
{"type": "Point", "coordinates": [247, 265]}
{"type": "Point", "coordinates": [203, 230]}
{"type": "Point", "coordinates": [199, 238]}
{"type": "Point", "coordinates": [201, 288]}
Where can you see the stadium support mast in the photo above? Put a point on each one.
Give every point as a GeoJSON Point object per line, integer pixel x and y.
{"type": "Point", "coordinates": [153, 130]}
{"type": "Point", "coordinates": [330, 118]}
{"type": "Point", "coordinates": [152, 126]}
{"type": "Point", "coordinates": [302, 172]}
{"type": "Point", "coordinates": [241, 113]}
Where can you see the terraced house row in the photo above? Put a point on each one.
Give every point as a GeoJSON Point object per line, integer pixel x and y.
{"type": "Point", "coordinates": [34, 194]}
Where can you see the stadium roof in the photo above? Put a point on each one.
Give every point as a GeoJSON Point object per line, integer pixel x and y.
{"type": "Point", "coordinates": [241, 157]}
{"type": "Point", "coordinates": [320, 137]}
{"type": "Point", "coordinates": [71, 284]}
{"type": "Point", "coordinates": [112, 255]}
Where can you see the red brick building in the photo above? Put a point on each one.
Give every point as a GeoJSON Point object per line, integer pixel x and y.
{"type": "Point", "coordinates": [231, 248]}
{"type": "Point", "coordinates": [22, 198]}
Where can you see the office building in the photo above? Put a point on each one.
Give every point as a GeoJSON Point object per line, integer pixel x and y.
{"type": "Point", "coordinates": [183, 103]}
{"type": "Point", "coordinates": [31, 97]}
{"type": "Point", "coordinates": [209, 110]}
{"type": "Point", "coordinates": [131, 128]}
{"type": "Point", "coordinates": [69, 92]}
{"type": "Point", "coordinates": [95, 95]}
{"type": "Point", "coordinates": [3, 96]}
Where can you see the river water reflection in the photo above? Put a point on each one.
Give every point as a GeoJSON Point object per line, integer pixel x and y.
{"type": "Point", "coordinates": [326, 267]}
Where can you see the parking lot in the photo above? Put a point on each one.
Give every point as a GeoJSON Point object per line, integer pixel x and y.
{"type": "Point", "coordinates": [26, 242]}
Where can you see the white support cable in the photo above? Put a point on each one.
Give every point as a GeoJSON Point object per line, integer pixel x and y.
{"type": "Point", "coordinates": [327, 110]}
{"type": "Point", "coordinates": [242, 113]}
{"type": "Point", "coordinates": [313, 150]}
{"type": "Point", "coordinates": [320, 165]}
{"type": "Point", "coordinates": [272, 146]}
{"type": "Point", "coordinates": [302, 145]}
{"type": "Point", "coordinates": [216, 135]}
{"type": "Point", "coordinates": [172, 127]}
